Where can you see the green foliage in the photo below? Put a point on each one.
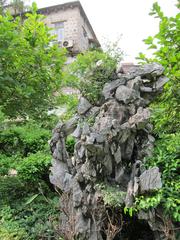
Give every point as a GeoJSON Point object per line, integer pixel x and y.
{"type": "Point", "coordinates": [9, 228]}
{"type": "Point", "coordinates": [130, 210]}
{"type": "Point", "coordinates": [112, 196]}
{"type": "Point", "coordinates": [90, 72]}
{"type": "Point", "coordinates": [146, 202]}
{"type": "Point", "coordinates": [166, 45]}
{"type": "Point", "coordinates": [23, 139]}
{"type": "Point", "coordinates": [35, 167]}
{"type": "Point", "coordinates": [166, 157]}
{"type": "Point", "coordinates": [30, 72]}
{"type": "Point", "coordinates": [30, 69]}
{"type": "Point", "coordinates": [37, 220]}
{"type": "Point", "coordinates": [40, 217]}
{"type": "Point", "coordinates": [11, 190]}
{"type": "Point", "coordinates": [69, 102]}
{"type": "Point", "coordinates": [70, 142]}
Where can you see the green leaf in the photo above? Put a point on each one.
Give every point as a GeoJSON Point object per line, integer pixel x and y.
{"type": "Point", "coordinates": [31, 199]}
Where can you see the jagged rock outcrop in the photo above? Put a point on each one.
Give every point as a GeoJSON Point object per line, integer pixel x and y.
{"type": "Point", "coordinates": [111, 142]}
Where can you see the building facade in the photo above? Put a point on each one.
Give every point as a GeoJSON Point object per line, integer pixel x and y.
{"type": "Point", "coordinates": [71, 26]}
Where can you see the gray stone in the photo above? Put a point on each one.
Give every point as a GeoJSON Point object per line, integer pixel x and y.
{"type": "Point", "coordinates": [147, 70]}
{"type": "Point", "coordinates": [81, 151]}
{"type": "Point", "coordinates": [88, 170]}
{"type": "Point", "coordinates": [77, 194]}
{"type": "Point", "coordinates": [57, 176]}
{"type": "Point", "coordinates": [125, 94]}
{"type": "Point", "coordinates": [92, 112]}
{"type": "Point", "coordinates": [134, 83]}
{"type": "Point", "coordinates": [107, 162]}
{"type": "Point", "coordinates": [124, 133]}
{"type": "Point", "coordinates": [129, 146]}
{"type": "Point", "coordinates": [77, 132]}
{"type": "Point", "coordinates": [146, 215]}
{"type": "Point", "coordinates": [60, 152]}
{"type": "Point", "coordinates": [82, 226]}
{"type": "Point", "coordinates": [119, 173]}
{"type": "Point", "coordinates": [70, 126]}
{"type": "Point", "coordinates": [67, 183]}
{"type": "Point", "coordinates": [85, 129]}
{"type": "Point", "coordinates": [117, 155]}
{"type": "Point", "coordinates": [146, 89]}
{"type": "Point", "coordinates": [110, 150]}
{"type": "Point", "coordinates": [160, 83]}
{"type": "Point", "coordinates": [140, 118]}
{"type": "Point", "coordinates": [150, 180]}
{"type": "Point", "coordinates": [109, 88]}
{"type": "Point", "coordinates": [83, 106]}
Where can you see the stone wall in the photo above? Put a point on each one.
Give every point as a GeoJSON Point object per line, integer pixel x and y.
{"type": "Point", "coordinates": [112, 140]}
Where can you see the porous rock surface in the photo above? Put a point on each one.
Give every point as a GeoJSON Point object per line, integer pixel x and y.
{"type": "Point", "coordinates": [112, 141]}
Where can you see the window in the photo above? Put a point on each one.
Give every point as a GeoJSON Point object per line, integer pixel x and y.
{"type": "Point", "coordinates": [59, 30]}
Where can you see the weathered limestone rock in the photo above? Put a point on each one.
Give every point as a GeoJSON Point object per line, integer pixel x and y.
{"type": "Point", "coordinates": [125, 94]}
{"type": "Point", "coordinates": [84, 105]}
{"type": "Point", "coordinates": [147, 70]}
{"type": "Point", "coordinates": [110, 87]}
{"type": "Point", "coordinates": [140, 118]}
{"type": "Point", "coordinates": [150, 180]}
{"type": "Point", "coordinates": [111, 143]}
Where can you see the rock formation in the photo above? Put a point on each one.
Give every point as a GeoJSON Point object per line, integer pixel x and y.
{"type": "Point", "coordinates": [112, 140]}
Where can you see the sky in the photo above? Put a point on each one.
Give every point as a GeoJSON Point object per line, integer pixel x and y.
{"type": "Point", "coordinates": [129, 19]}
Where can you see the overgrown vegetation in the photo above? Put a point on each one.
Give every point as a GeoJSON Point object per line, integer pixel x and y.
{"type": "Point", "coordinates": [28, 202]}
{"type": "Point", "coordinates": [166, 110]}
{"type": "Point", "coordinates": [90, 72]}
{"type": "Point", "coordinates": [27, 78]}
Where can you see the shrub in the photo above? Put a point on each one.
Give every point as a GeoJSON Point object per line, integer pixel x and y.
{"type": "Point", "coordinates": [70, 142]}
{"type": "Point", "coordinates": [34, 167]}
{"type": "Point", "coordinates": [23, 139]}
{"type": "Point", "coordinates": [165, 118]}
{"type": "Point", "coordinates": [30, 218]}
{"type": "Point", "coordinates": [112, 197]}
{"type": "Point", "coordinates": [9, 228]}
{"type": "Point", "coordinates": [90, 72]}
{"type": "Point", "coordinates": [11, 190]}
{"type": "Point", "coordinates": [27, 78]}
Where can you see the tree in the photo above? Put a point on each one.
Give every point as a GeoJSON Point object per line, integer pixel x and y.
{"type": "Point", "coordinates": [18, 6]}
{"type": "Point", "coordinates": [2, 4]}
{"type": "Point", "coordinates": [166, 44]}
{"type": "Point", "coordinates": [166, 109]}
{"type": "Point", "coordinates": [30, 68]}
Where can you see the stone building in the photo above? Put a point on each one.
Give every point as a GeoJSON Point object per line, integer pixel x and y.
{"type": "Point", "coordinates": [71, 25]}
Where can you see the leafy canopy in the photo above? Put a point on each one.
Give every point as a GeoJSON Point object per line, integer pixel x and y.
{"type": "Point", "coordinates": [166, 110]}
{"type": "Point", "coordinates": [30, 68]}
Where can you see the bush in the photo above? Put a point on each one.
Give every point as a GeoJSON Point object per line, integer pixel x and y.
{"type": "Point", "coordinates": [166, 113]}
{"type": "Point", "coordinates": [11, 190]}
{"type": "Point", "coordinates": [166, 157]}
{"type": "Point", "coordinates": [23, 139]}
{"type": "Point", "coordinates": [70, 142]}
{"type": "Point", "coordinates": [30, 68]}
{"type": "Point", "coordinates": [90, 72]}
{"type": "Point", "coordinates": [9, 228]}
{"type": "Point", "coordinates": [31, 218]}
{"type": "Point", "coordinates": [34, 167]}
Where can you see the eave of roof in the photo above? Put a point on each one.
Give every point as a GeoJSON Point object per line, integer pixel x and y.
{"type": "Point", "coordinates": [73, 4]}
